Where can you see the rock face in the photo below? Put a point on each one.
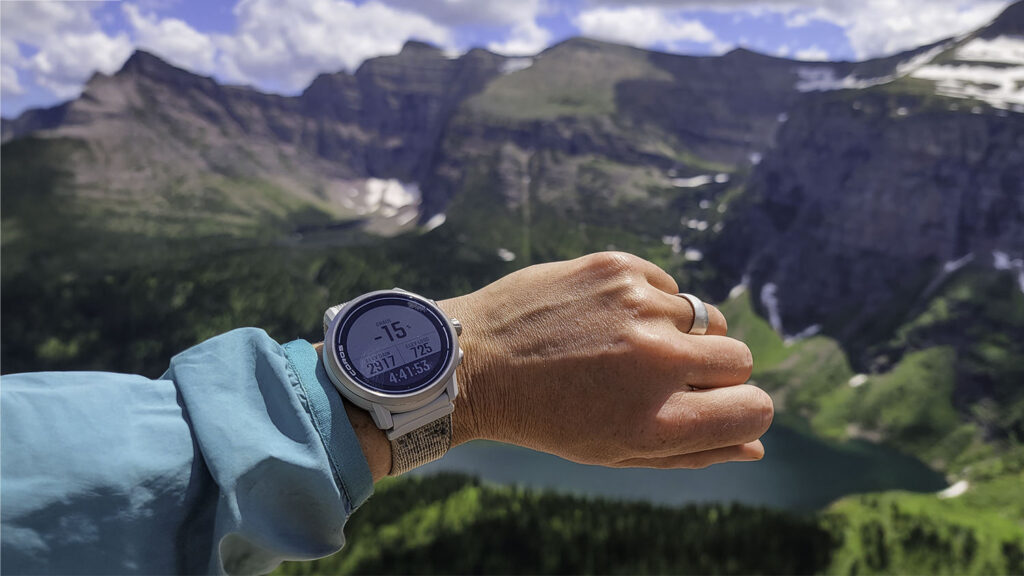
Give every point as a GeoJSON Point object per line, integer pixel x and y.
{"type": "Point", "coordinates": [872, 194]}
{"type": "Point", "coordinates": [419, 116]}
{"type": "Point", "coordinates": [190, 148]}
{"type": "Point", "coordinates": [868, 194]}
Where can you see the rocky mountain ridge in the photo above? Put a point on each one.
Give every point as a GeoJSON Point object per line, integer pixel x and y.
{"type": "Point", "coordinates": [875, 174]}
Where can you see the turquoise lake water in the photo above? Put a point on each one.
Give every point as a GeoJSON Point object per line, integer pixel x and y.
{"type": "Point", "coordinates": [799, 473]}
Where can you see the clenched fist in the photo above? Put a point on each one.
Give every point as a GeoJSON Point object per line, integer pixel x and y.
{"type": "Point", "coordinates": [590, 360]}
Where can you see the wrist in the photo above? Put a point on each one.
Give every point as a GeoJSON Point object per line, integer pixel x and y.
{"type": "Point", "coordinates": [469, 419]}
{"type": "Point", "coordinates": [374, 442]}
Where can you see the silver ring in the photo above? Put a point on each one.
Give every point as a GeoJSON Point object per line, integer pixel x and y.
{"type": "Point", "coordinates": [700, 314]}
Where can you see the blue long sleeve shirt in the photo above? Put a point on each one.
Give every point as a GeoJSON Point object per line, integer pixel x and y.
{"type": "Point", "coordinates": [238, 457]}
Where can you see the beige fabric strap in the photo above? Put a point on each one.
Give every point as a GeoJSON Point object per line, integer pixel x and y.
{"type": "Point", "coordinates": [424, 444]}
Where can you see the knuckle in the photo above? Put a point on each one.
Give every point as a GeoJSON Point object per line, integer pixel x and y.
{"type": "Point", "coordinates": [633, 297]}
{"type": "Point", "coordinates": [611, 263]}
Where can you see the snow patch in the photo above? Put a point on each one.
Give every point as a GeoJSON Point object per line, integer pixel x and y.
{"type": "Point", "coordinates": [738, 289]}
{"type": "Point", "coordinates": [382, 198]}
{"type": "Point", "coordinates": [407, 216]}
{"type": "Point", "coordinates": [506, 255]}
{"type": "Point", "coordinates": [1002, 49]}
{"type": "Point", "coordinates": [676, 242]}
{"type": "Point", "coordinates": [858, 380]}
{"type": "Point", "coordinates": [955, 490]}
{"type": "Point", "coordinates": [435, 221]}
{"type": "Point", "coordinates": [699, 225]}
{"type": "Point", "coordinates": [1002, 87]}
{"type": "Point", "coordinates": [823, 78]}
{"type": "Point", "coordinates": [1002, 261]}
{"type": "Point", "coordinates": [705, 204]}
{"type": "Point", "coordinates": [755, 158]}
{"type": "Point", "coordinates": [771, 303]}
{"type": "Point", "coordinates": [947, 269]}
{"type": "Point", "coordinates": [693, 255]}
{"type": "Point", "coordinates": [388, 196]}
{"type": "Point", "coordinates": [694, 182]}
{"type": "Point", "coordinates": [804, 334]}
{"type": "Point", "coordinates": [954, 265]}
{"type": "Point", "coordinates": [515, 65]}
{"type": "Point", "coordinates": [721, 178]}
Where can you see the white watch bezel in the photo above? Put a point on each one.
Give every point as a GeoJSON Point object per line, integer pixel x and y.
{"type": "Point", "coordinates": [381, 406]}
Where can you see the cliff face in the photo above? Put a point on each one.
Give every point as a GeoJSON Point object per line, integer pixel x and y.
{"type": "Point", "coordinates": [868, 194]}
{"type": "Point", "coordinates": [874, 194]}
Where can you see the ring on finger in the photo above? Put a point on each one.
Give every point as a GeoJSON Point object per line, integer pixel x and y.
{"type": "Point", "coordinates": [700, 314]}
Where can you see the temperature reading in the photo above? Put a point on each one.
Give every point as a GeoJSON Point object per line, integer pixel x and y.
{"type": "Point", "coordinates": [395, 331]}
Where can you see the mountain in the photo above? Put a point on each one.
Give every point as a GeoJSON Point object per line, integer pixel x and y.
{"type": "Point", "coordinates": [160, 150]}
{"type": "Point", "coordinates": [156, 149]}
{"type": "Point", "coordinates": [925, 174]}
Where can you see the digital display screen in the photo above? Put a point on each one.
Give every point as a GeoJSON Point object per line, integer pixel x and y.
{"type": "Point", "coordinates": [393, 344]}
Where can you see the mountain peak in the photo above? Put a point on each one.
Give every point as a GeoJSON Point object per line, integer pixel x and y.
{"type": "Point", "coordinates": [142, 61]}
{"type": "Point", "coordinates": [585, 44]}
{"type": "Point", "coordinates": [149, 65]}
{"type": "Point", "coordinates": [1010, 22]}
{"type": "Point", "coordinates": [417, 46]}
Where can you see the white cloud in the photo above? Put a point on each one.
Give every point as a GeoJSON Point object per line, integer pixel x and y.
{"type": "Point", "coordinates": [458, 12]}
{"type": "Point", "coordinates": [873, 27]}
{"type": "Point", "coordinates": [277, 45]}
{"type": "Point", "coordinates": [284, 44]}
{"type": "Point", "coordinates": [525, 39]}
{"type": "Point", "coordinates": [880, 27]}
{"type": "Point", "coordinates": [797, 19]}
{"type": "Point", "coordinates": [69, 44]}
{"type": "Point", "coordinates": [173, 39]}
{"type": "Point", "coordinates": [642, 26]}
{"type": "Point", "coordinates": [9, 83]}
{"type": "Point", "coordinates": [10, 60]}
{"type": "Point", "coordinates": [814, 53]}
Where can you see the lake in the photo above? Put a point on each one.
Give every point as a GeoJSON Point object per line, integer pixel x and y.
{"type": "Point", "coordinates": [799, 473]}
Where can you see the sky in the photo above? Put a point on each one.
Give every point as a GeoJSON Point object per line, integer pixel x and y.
{"type": "Point", "coordinates": [49, 49]}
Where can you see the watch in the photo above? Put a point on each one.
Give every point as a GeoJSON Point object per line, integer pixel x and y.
{"type": "Point", "coordinates": [394, 353]}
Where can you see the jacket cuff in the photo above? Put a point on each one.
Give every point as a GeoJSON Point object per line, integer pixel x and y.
{"type": "Point", "coordinates": [351, 470]}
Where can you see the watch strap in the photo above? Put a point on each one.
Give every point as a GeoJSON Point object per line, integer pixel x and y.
{"type": "Point", "coordinates": [422, 445]}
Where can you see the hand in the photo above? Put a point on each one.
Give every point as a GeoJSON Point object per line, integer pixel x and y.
{"type": "Point", "coordinates": [589, 360]}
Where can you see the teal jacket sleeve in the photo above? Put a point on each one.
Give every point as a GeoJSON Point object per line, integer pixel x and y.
{"type": "Point", "coordinates": [238, 457]}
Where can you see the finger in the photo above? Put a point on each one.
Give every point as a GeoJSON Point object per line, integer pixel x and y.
{"type": "Point", "coordinates": [682, 314]}
{"type": "Point", "coordinates": [748, 452]}
{"type": "Point", "coordinates": [711, 361]}
{"type": "Point", "coordinates": [698, 420]}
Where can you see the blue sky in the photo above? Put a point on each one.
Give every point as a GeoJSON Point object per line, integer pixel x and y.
{"type": "Point", "coordinates": [49, 49]}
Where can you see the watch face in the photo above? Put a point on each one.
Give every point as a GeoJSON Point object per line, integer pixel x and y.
{"type": "Point", "coordinates": [393, 344]}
